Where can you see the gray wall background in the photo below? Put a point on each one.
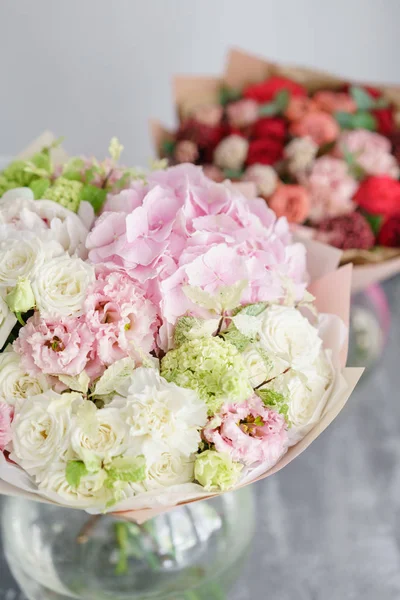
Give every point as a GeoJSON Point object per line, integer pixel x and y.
{"type": "Point", "coordinates": [90, 69]}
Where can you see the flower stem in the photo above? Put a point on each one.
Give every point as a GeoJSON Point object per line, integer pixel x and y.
{"type": "Point", "coordinates": [84, 534]}
{"type": "Point", "coordinates": [272, 379]}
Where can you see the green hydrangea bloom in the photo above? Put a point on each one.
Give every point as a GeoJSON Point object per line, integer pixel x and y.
{"type": "Point", "coordinates": [216, 471]}
{"type": "Point", "coordinates": [210, 366]}
{"type": "Point", "coordinates": [15, 172]}
{"type": "Point", "coordinates": [66, 192]}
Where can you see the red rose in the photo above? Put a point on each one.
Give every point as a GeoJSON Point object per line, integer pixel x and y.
{"type": "Point", "coordinates": [384, 120]}
{"type": "Point", "coordinates": [199, 133]}
{"type": "Point", "coordinates": [267, 90]}
{"type": "Point", "coordinates": [265, 152]}
{"type": "Point", "coordinates": [379, 195]}
{"type": "Point", "coordinates": [271, 128]}
{"type": "Point", "coordinates": [389, 234]}
{"type": "Point", "coordinates": [394, 137]}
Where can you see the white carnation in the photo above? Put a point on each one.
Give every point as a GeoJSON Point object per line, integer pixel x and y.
{"type": "Point", "coordinates": [41, 429]}
{"type": "Point", "coordinates": [15, 382]}
{"type": "Point", "coordinates": [60, 286]}
{"type": "Point", "coordinates": [46, 218]}
{"type": "Point", "coordinates": [162, 417]}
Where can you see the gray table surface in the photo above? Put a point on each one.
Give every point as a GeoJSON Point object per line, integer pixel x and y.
{"type": "Point", "coordinates": [328, 525]}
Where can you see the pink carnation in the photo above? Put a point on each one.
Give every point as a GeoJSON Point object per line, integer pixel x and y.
{"type": "Point", "coordinates": [330, 187]}
{"type": "Point", "coordinates": [121, 320]}
{"type": "Point", "coordinates": [54, 347]}
{"type": "Point", "coordinates": [242, 113]}
{"type": "Point", "coordinates": [249, 432]}
{"type": "Point", "coordinates": [6, 417]}
{"type": "Point", "coordinates": [371, 151]}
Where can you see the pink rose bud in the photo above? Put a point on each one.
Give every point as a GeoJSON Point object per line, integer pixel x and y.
{"type": "Point", "coordinates": [242, 113]}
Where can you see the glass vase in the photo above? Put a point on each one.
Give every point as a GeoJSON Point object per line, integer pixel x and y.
{"type": "Point", "coordinates": [192, 553]}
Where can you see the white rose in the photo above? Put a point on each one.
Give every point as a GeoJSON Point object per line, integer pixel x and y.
{"type": "Point", "coordinates": [305, 393]}
{"type": "Point", "coordinates": [170, 469]}
{"type": "Point", "coordinates": [89, 493]}
{"type": "Point", "coordinates": [264, 176]}
{"type": "Point", "coordinates": [162, 417]}
{"type": "Point", "coordinates": [300, 154]}
{"type": "Point", "coordinates": [7, 321]}
{"type": "Point", "coordinates": [286, 334]}
{"type": "Point", "coordinates": [15, 382]}
{"type": "Point", "coordinates": [49, 219]}
{"type": "Point", "coordinates": [98, 433]}
{"type": "Point", "coordinates": [60, 286]}
{"type": "Point", "coordinates": [20, 258]}
{"type": "Point", "coordinates": [256, 364]}
{"type": "Point", "coordinates": [41, 429]}
{"type": "Point", "coordinates": [231, 152]}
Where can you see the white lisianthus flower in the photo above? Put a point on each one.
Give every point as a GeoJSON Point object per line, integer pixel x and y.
{"type": "Point", "coordinates": [20, 259]}
{"type": "Point", "coordinates": [98, 435]}
{"type": "Point", "coordinates": [89, 493]}
{"type": "Point", "coordinates": [48, 219]}
{"type": "Point", "coordinates": [15, 382]}
{"type": "Point", "coordinates": [7, 321]}
{"type": "Point", "coordinates": [162, 417]}
{"type": "Point", "coordinates": [41, 429]}
{"type": "Point", "coordinates": [60, 286]}
{"type": "Point", "coordinates": [172, 468]}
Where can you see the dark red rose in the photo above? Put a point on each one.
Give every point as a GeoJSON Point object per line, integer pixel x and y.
{"type": "Point", "coordinates": [267, 90]}
{"type": "Point", "coordinates": [204, 136]}
{"type": "Point", "coordinates": [394, 137]}
{"type": "Point", "coordinates": [384, 120]}
{"type": "Point", "coordinates": [269, 128]}
{"type": "Point", "coordinates": [379, 195]}
{"type": "Point", "coordinates": [346, 232]}
{"type": "Point", "coordinates": [389, 234]}
{"type": "Point", "coordinates": [265, 152]}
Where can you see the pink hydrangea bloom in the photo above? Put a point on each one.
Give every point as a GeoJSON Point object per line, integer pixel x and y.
{"type": "Point", "coordinates": [181, 229]}
{"type": "Point", "coordinates": [54, 347]}
{"type": "Point", "coordinates": [249, 432]}
{"type": "Point", "coordinates": [6, 416]}
{"type": "Point", "coordinates": [120, 319]}
{"type": "Point", "coordinates": [331, 188]}
{"type": "Point", "coordinates": [371, 151]}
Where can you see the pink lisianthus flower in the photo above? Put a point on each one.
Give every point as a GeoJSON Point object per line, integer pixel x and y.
{"type": "Point", "coordinates": [122, 321]}
{"type": "Point", "coordinates": [249, 432]}
{"type": "Point", "coordinates": [54, 347]}
{"type": "Point", "coordinates": [330, 188]}
{"type": "Point", "coordinates": [6, 417]}
{"type": "Point", "coordinates": [371, 151]}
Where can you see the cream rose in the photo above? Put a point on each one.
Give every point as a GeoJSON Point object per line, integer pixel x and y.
{"type": "Point", "coordinates": [89, 493]}
{"type": "Point", "coordinates": [60, 286]}
{"type": "Point", "coordinates": [15, 382]}
{"type": "Point", "coordinates": [256, 364]}
{"type": "Point", "coordinates": [20, 259]}
{"type": "Point", "coordinates": [41, 429]}
{"type": "Point", "coordinates": [231, 152]}
{"type": "Point", "coordinates": [98, 434]}
{"type": "Point", "coordinates": [172, 468]}
{"type": "Point", "coordinates": [7, 321]}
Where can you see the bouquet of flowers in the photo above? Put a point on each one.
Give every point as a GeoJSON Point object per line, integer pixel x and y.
{"type": "Point", "coordinates": [168, 350]}
{"type": "Point", "coordinates": [320, 151]}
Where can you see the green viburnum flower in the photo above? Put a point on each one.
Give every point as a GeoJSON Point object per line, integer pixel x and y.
{"type": "Point", "coordinates": [216, 471]}
{"type": "Point", "coordinates": [210, 366]}
{"type": "Point", "coordinates": [16, 173]}
{"type": "Point", "coordinates": [7, 184]}
{"type": "Point", "coordinates": [65, 192]}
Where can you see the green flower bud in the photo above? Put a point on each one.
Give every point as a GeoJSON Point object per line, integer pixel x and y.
{"type": "Point", "coordinates": [216, 471]}
{"type": "Point", "coordinates": [21, 298]}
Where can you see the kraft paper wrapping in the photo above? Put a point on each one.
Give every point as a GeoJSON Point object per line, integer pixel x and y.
{"type": "Point", "coordinates": [325, 278]}
{"type": "Point", "coordinates": [242, 69]}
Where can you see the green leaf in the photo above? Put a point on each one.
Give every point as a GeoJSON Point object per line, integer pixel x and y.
{"type": "Point", "coordinates": [251, 309]}
{"type": "Point", "coordinates": [42, 160]}
{"type": "Point", "coordinates": [39, 187]}
{"type": "Point", "coordinates": [73, 175]}
{"type": "Point", "coordinates": [362, 98]}
{"type": "Point", "coordinates": [96, 196]}
{"type": "Point", "coordinates": [375, 222]}
{"type": "Point", "coordinates": [189, 328]}
{"type": "Point", "coordinates": [168, 147]}
{"type": "Point", "coordinates": [78, 383]}
{"type": "Point", "coordinates": [236, 338]}
{"type": "Point", "coordinates": [114, 376]}
{"type": "Point", "coordinates": [74, 472]}
{"type": "Point", "coordinates": [127, 468]}
{"type": "Point", "coordinates": [227, 297]}
{"type": "Point", "coordinates": [115, 149]}
{"type": "Point", "coordinates": [233, 173]}
{"type": "Point", "coordinates": [344, 119]}
{"type": "Point", "coordinates": [277, 106]}
{"type": "Point", "coordinates": [355, 169]}
{"type": "Point", "coordinates": [364, 120]}
{"type": "Point", "coordinates": [227, 95]}
{"type": "Point", "coordinates": [274, 400]}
